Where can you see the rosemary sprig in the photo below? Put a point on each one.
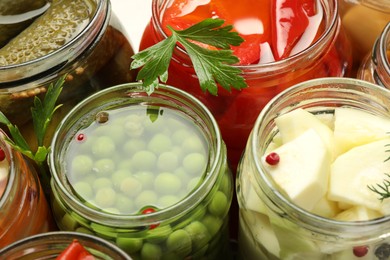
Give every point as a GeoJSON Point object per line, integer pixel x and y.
{"type": "Point", "coordinates": [211, 66]}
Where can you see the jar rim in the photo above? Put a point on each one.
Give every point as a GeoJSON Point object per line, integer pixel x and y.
{"type": "Point", "coordinates": [58, 58]}
{"type": "Point", "coordinates": [178, 209]}
{"type": "Point", "coordinates": [384, 48]}
{"type": "Point", "coordinates": [303, 217]}
{"type": "Point", "coordinates": [332, 25]}
{"type": "Point", "coordinates": [62, 236]}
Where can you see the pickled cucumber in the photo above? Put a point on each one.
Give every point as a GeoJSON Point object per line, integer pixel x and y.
{"type": "Point", "coordinates": [59, 24]}
{"type": "Point", "coordinates": [17, 15]}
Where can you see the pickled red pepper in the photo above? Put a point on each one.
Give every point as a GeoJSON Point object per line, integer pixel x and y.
{"type": "Point", "coordinates": [273, 29]}
{"type": "Point", "coordinates": [75, 251]}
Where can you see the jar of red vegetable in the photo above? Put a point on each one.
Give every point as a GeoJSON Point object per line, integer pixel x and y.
{"type": "Point", "coordinates": [376, 66]}
{"type": "Point", "coordinates": [47, 39]}
{"type": "Point", "coordinates": [147, 172]}
{"type": "Point", "coordinates": [364, 21]}
{"type": "Point", "coordinates": [285, 42]}
{"type": "Point", "coordinates": [61, 245]}
{"type": "Point", "coordinates": [24, 210]}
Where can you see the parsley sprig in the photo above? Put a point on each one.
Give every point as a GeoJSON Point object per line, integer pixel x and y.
{"type": "Point", "coordinates": [211, 66]}
{"type": "Point", "coordinates": [42, 113]}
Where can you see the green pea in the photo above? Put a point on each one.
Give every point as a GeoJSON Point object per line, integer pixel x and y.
{"type": "Point", "coordinates": [166, 201]}
{"type": "Point", "coordinates": [180, 135]}
{"type": "Point", "coordinates": [167, 161]}
{"type": "Point", "coordinates": [131, 186]}
{"type": "Point", "coordinates": [193, 144]}
{"type": "Point", "coordinates": [194, 182]}
{"type": "Point", "coordinates": [124, 204]}
{"type": "Point", "coordinates": [105, 197]}
{"type": "Point", "coordinates": [84, 190]}
{"type": "Point", "coordinates": [167, 183]}
{"type": "Point", "coordinates": [103, 147]}
{"type": "Point", "coordinates": [125, 165]}
{"type": "Point", "coordinates": [199, 234]}
{"type": "Point", "coordinates": [146, 178]}
{"type": "Point", "coordinates": [160, 143]}
{"type": "Point", "coordinates": [212, 223]}
{"type": "Point", "coordinates": [146, 197]}
{"type": "Point", "coordinates": [180, 243]}
{"type": "Point", "coordinates": [131, 146]}
{"type": "Point", "coordinates": [134, 126]}
{"type": "Point", "coordinates": [114, 131]}
{"type": "Point", "coordinates": [151, 251]}
{"type": "Point", "coordinates": [219, 204]}
{"type": "Point", "coordinates": [118, 176]}
{"type": "Point", "coordinates": [81, 165]}
{"type": "Point", "coordinates": [195, 163]}
{"type": "Point", "coordinates": [129, 245]}
{"type": "Point", "coordinates": [102, 182]}
{"type": "Point", "coordinates": [104, 167]}
{"type": "Point", "coordinates": [144, 160]}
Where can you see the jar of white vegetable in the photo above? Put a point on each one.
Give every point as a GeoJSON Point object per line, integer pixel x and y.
{"type": "Point", "coordinates": [147, 172]}
{"type": "Point", "coordinates": [313, 182]}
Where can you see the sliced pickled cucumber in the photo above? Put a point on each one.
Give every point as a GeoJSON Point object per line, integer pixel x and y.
{"type": "Point", "coordinates": [58, 25]}
{"type": "Point", "coordinates": [16, 15]}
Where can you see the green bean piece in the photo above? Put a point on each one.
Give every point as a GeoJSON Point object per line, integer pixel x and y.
{"type": "Point", "coordinates": [180, 243]}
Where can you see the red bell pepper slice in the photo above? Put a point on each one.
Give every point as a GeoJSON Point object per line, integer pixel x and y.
{"type": "Point", "coordinates": [290, 21]}
{"type": "Point", "coordinates": [75, 251]}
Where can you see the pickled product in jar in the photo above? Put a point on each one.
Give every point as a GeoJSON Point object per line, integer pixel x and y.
{"type": "Point", "coordinates": [24, 210]}
{"type": "Point", "coordinates": [63, 20]}
{"type": "Point", "coordinates": [16, 15]}
{"type": "Point", "coordinates": [126, 156]}
{"type": "Point", "coordinates": [286, 42]}
{"type": "Point", "coordinates": [272, 30]}
{"type": "Point", "coordinates": [142, 160]}
{"type": "Point", "coordinates": [326, 163]}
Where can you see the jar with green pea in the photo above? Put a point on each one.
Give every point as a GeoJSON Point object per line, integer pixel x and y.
{"type": "Point", "coordinates": [147, 172]}
{"type": "Point", "coordinates": [42, 40]}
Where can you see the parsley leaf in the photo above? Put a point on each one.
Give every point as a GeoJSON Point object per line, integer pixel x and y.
{"type": "Point", "coordinates": [42, 113]}
{"type": "Point", "coordinates": [211, 66]}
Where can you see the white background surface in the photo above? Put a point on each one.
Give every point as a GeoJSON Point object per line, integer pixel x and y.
{"type": "Point", "coordinates": [134, 15]}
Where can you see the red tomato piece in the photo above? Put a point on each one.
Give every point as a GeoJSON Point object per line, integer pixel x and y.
{"type": "Point", "coordinates": [309, 6]}
{"type": "Point", "coordinates": [289, 21]}
{"type": "Point", "coordinates": [249, 51]}
{"type": "Point", "coordinates": [75, 251]}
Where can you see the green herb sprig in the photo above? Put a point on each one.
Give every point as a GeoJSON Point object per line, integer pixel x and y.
{"type": "Point", "coordinates": [383, 190]}
{"type": "Point", "coordinates": [211, 66]}
{"type": "Point", "coordinates": [42, 113]}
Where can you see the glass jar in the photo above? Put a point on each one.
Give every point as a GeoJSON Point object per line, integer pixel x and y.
{"type": "Point", "coordinates": [49, 245]}
{"type": "Point", "coordinates": [96, 57]}
{"type": "Point", "coordinates": [162, 202]}
{"type": "Point", "coordinates": [236, 111]}
{"type": "Point", "coordinates": [271, 226]}
{"type": "Point", "coordinates": [376, 66]}
{"type": "Point", "coordinates": [364, 21]}
{"type": "Point", "coordinates": [24, 210]}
